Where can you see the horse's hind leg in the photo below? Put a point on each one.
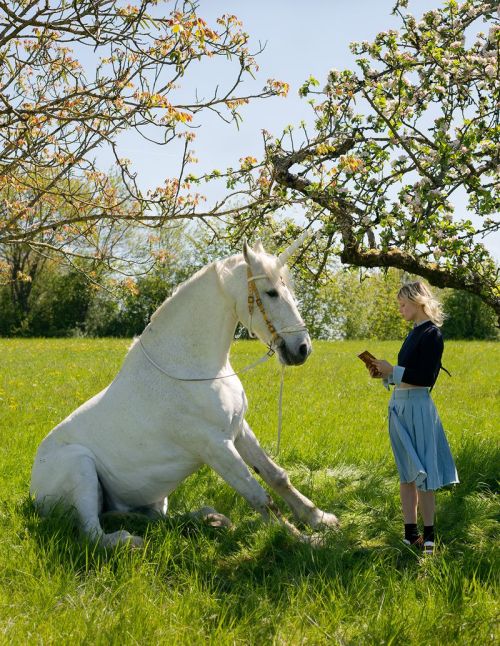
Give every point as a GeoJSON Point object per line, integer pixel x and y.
{"type": "Point", "coordinates": [67, 475]}
{"type": "Point", "coordinates": [277, 478]}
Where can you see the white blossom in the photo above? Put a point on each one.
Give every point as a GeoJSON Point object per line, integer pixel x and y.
{"type": "Point", "coordinates": [490, 70]}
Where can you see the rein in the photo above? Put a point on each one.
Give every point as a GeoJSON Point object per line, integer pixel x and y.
{"type": "Point", "coordinates": [264, 358]}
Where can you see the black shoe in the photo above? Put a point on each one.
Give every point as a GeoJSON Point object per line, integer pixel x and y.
{"type": "Point", "coordinates": [417, 542]}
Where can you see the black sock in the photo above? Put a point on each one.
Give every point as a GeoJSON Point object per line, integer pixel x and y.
{"type": "Point", "coordinates": [429, 533]}
{"type": "Point", "coordinates": [411, 532]}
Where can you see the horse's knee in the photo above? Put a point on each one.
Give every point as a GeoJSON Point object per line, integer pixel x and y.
{"type": "Point", "coordinates": [281, 480]}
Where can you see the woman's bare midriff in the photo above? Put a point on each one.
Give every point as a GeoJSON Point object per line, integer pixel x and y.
{"type": "Point", "coordinates": [405, 385]}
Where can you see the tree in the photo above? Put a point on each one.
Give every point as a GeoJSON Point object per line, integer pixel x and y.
{"type": "Point", "coordinates": [21, 268]}
{"type": "Point", "coordinates": [61, 308]}
{"type": "Point", "coordinates": [56, 305]}
{"type": "Point", "coordinates": [467, 317]}
{"type": "Point", "coordinates": [56, 112]}
{"type": "Point", "coordinates": [390, 147]}
{"type": "Point", "coordinates": [353, 305]}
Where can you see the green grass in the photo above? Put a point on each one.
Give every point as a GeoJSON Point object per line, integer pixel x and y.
{"type": "Point", "coordinates": [254, 584]}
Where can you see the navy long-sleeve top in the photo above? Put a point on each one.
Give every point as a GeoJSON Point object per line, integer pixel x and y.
{"type": "Point", "coordinates": [419, 359]}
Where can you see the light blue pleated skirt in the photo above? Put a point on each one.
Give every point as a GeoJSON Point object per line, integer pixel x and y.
{"type": "Point", "coordinates": [418, 440]}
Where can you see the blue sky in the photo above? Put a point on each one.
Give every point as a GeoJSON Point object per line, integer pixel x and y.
{"type": "Point", "coordinates": [301, 38]}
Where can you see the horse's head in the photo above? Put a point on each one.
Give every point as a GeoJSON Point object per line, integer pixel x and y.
{"type": "Point", "coordinates": [266, 306]}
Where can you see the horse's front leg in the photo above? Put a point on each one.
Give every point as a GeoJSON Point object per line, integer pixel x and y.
{"type": "Point", "coordinates": [277, 478]}
{"type": "Point", "coordinates": [223, 457]}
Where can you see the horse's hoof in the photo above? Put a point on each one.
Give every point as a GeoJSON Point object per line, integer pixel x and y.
{"type": "Point", "coordinates": [135, 542]}
{"type": "Point", "coordinates": [218, 520]}
{"type": "Point", "coordinates": [324, 520]}
{"type": "Point", "coordinates": [317, 540]}
{"type": "Point", "coordinates": [211, 517]}
{"type": "Point", "coordinates": [122, 537]}
{"type": "Point", "coordinates": [314, 540]}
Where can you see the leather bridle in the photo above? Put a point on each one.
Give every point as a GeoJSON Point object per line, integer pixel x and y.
{"type": "Point", "coordinates": [255, 299]}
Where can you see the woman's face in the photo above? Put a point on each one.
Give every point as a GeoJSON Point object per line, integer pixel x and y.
{"type": "Point", "coordinates": [409, 310]}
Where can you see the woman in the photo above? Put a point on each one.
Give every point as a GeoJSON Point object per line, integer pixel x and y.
{"type": "Point", "coordinates": [420, 448]}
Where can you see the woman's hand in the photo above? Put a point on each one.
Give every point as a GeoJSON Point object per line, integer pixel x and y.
{"type": "Point", "coordinates": [384, 368]}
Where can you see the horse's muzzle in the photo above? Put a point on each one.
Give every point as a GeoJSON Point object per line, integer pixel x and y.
{"type": "Point", "coordinates": [294, 352]}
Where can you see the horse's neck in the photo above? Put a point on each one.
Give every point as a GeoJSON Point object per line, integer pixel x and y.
{"type": "Point", "coordinates": [194, 328]}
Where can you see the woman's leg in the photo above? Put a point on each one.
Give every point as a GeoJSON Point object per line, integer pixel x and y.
{"type": "Point", "coordinates": [427, 506]}
{"type": "Point", "coordinates": [409, 501]}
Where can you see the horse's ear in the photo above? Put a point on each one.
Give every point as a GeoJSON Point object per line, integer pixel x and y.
{"type": "Point", "coordinates": [259, 247]}
{"type": "Point", "coordinates": [248, 254]}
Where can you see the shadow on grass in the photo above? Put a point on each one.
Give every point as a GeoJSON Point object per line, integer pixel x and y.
{"type": "Point", "coordinates": [57, 534]}
{"type": "Point", "coordinates": [251, 554]}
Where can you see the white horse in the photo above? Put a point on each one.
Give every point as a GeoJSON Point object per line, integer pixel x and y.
{"type": "Point", "coordinates": [176, 404]}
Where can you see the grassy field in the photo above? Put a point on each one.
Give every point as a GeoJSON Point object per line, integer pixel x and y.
{"type": "Point", "coordinates": [254, 584]}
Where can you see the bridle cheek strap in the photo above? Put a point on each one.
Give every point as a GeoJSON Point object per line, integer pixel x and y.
{"type": "Point", "coordinates": [254, 299]}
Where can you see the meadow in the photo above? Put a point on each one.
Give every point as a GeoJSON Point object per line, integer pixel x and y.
{"type": "Point", "coordinates": [254, 584]}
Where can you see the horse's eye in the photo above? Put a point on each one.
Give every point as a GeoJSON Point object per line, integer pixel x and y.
{"type": "Point", "coordinates": [272, 293]}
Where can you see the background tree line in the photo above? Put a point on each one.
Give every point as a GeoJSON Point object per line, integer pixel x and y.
{"type": "Point", "coordinates": [57, 300]}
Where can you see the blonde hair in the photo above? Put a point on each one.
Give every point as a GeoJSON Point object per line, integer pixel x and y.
{"type": "Point", "coordinates": [418, 292]}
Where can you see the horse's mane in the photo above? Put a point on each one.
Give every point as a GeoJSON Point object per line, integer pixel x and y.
{"type": "Point", "coordinates": [181, 288]}
{"type": "Point", "coordinates": [176, 294]}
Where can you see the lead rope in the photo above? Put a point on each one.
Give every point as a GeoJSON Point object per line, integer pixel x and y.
{"type": "Point", "coordinates": [280, 408]}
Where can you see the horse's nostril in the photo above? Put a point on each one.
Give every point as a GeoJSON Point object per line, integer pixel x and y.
{"type": "Point", "coordinates": [303, 349]}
